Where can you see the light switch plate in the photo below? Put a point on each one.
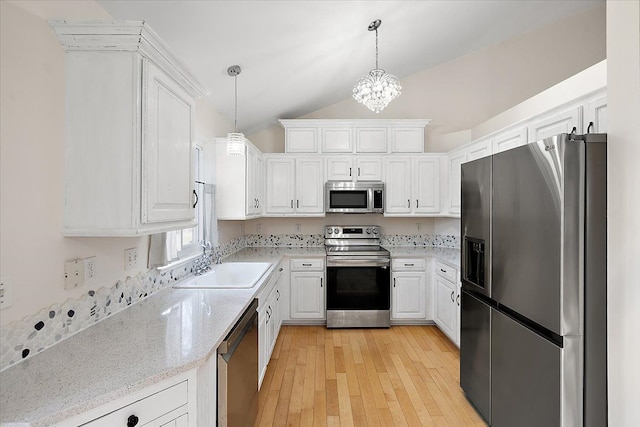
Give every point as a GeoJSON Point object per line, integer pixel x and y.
{"type": "Point", "coordinates": [6, 292]}
{"type": "Point", "coordinates": [73, 273]}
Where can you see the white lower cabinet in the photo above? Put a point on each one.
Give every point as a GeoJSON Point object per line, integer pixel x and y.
{"type": "Point", "coordinates": [409, 289]}
{"type": "Point", "coordinates": [447, 299]}
{"type": "Point", "coordinates": [307, 296]}
{"type": "Point", "coordinates": [170, 403]}
{"type": "Point", "coordinates": [269, 319]}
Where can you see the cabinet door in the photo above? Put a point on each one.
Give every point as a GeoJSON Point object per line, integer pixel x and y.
{"type": "Point", "coordinates": [371, 140]}
{"type": "Point", "coordinates": [167, 146]}
{"type": "Point", "coordinates": [446, 312]}
{"type": "Point", "coordinates": [307, 295]}
{"type": "Point", "coordinates": [301, 140]}
{"type": "Point", "coordinates": [426, 185]}
{"type": "Point", "coordinates": [263, 342]}
{"type": "Point", "coordinates": [455, 160]}
{"type": "Point", "coordinates": [407, 139]}
{"type": "Point", "coordinates": [309, 186]}
{"type": "Point", "coordinates": [337, 140]}
{"type": "Point", "coordinates": [340, 168]}
{"type": "Point", "coordinates": [259, 177]}
{"type": "Point", "coordinates": [398, 185]}
{"type": "Point", "coordinates": [562, 122]}
{"type": "Point", "coordinates": [251, 206]}
{"type": "Point", "coordinates": [479, 149]}
{"type": "Point", "coordinates": [280, 185]}
{"type": "Point", "coordinates": [596, 112]}
{"type": "Point", "coordinates": [510, 139]}
{"type": "Point", "coordinates": [368, 169]}
{"type": "Point", "coordinates": [408, 295]}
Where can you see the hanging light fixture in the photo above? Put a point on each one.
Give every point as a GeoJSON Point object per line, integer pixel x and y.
{"type": "Point", "coordinates": [376, 89]}
{"type": "Point", "coordinates": [235, 140]}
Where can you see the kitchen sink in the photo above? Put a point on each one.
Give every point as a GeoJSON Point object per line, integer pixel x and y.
{"type": "Point", "coordinates": [228, 275]}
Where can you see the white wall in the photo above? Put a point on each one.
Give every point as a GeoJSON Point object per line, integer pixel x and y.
{"type": "Point", "coordinates": [32, 250]}
{"type": "Point", "coordinates": [459, 94]}
{"type": "Point", "coordinates": [623, 281]}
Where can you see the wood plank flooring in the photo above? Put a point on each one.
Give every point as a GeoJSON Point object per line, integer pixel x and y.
{"type": "Point", "coordinates": [402, 376]}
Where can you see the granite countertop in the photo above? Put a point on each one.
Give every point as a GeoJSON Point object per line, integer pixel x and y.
{"type": "Point", "coordinates": [94, 366]}
{"type": "Point", "coordinates": [449, 255]}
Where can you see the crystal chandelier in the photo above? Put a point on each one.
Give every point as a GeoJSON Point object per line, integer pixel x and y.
{"type": "Point", "coordinates": [376, 89]}
{"type": "Point", "coordinates": [235, 140]}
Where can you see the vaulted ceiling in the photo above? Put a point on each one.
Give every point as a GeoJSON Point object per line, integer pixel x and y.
{"type": "Point", "coordinates": [299, 56]}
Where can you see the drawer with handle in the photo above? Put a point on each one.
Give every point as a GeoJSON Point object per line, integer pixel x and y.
{"type": "Point", "coordinates": [143, 411]}
{"type": "Point", "coordinates": [408, 264]}
{"type": "Point", "coordinates": [446, 271]}
{"type": "Point", "coordinates": [307, 264]}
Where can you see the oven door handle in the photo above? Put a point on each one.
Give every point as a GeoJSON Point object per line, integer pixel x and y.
{"type": "Point", "coordinates": [357, 262]}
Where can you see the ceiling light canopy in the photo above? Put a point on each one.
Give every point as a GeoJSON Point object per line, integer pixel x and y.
{"type": "Point", "coordinates": [376, 89]}
{"type": "Point", "coordinates": [235, 140]}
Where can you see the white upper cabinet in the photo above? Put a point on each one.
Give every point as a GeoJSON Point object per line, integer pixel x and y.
{"type": "Point", "coordinates": [412, 185]}
{"type": "Point", "coordinates": [337, 139]}
{"type": "Point", "coordinates": [239, 182]}
{"type": "Point", "coordinates": [556, 123]}
{"type": "Point", "coordinates": [328, 136]}
{"type": "Point", "coordinates": [129, 131]}
{"type": "Point", "coordinates": [295, 186]}
{"type": "Point", "coordinates": [595, 114]}
{"type": "Point", "coordinates": [455, 159]}
{"type": "Point", "coordinates": [509, 139]}
{"type": "Point", "coordinates": [479, 149]}
{"type": "Point", "coordinates": [357, 168]}
{"type": "Point", "coordinates": [371, 139]}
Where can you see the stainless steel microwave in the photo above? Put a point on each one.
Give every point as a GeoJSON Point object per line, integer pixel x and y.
{"type": "Point", "coordinates": [354, 197]}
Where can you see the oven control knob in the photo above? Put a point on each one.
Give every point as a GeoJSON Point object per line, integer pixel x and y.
{"type": "Point", "coordinates": [336, 230]}
{"type": "Point", "coordinates": [329, 230]}
{"type": "Point", "coordinates": [375, 231]}
{"type": "Point", "coordinates": [368, 231]}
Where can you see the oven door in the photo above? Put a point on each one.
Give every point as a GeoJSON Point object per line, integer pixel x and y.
{"type": "Point", "coordinates": [358, 294]}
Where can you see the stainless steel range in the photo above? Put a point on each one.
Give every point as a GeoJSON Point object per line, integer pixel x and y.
{"type": "Point", "coordinates": [358, 277]}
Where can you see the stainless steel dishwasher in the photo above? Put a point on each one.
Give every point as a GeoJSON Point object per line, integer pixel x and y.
{"type": "Point", "coordinates": [238, 372]}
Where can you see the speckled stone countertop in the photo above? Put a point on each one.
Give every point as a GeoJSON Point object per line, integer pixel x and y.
{"type": "Point", "coordinates": [96, 366]}
{"type": "Point", "coordinates": [449, 255]}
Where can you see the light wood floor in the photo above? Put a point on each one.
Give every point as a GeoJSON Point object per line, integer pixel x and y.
{"type": "Point", "coordinates": [405, 375]}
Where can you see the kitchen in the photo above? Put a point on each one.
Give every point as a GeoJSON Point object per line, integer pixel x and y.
{"type": "Point", "coordinates": [34, 70]}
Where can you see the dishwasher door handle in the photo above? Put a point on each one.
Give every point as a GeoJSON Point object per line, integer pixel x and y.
{"type": "Point", "coordinates": [248, 320]}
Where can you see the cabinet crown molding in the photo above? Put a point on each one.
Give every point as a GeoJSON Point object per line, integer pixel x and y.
{"type": "Point", "coordinates": [353, 122]}
{"type": "Point", "coordinates": [126, 36]}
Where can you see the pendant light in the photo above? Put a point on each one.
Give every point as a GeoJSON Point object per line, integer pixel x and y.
{"type": "Point", "coordinates": [376, 89]}
{"type": "Point", "coordinates": [235, 140]}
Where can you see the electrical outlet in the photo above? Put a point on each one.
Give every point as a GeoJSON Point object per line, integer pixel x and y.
{"type": "Point", "coordinates": [6, 292]}
{"type": "Point", "coordinates": [419, 226]}
{"type": "Point", "coordinates": [89, 268]}
{"type": "Point", "coordinates": [73, 274]}
{"type": "Point", "coordinates": [130, 259]}
{"type": "Point", "coordinates": [298, 228]}
{"type": "Point", "coordinates": [259, 228]}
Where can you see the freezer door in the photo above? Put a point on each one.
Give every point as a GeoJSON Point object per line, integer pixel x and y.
{"type": "Point", "coordinates": [476, 225]}
{"type": "Point", "coordinates": [475, 353]}
{"type": "Point", "coordinates": [534, 382]}
{"type": "Point", "coordinates": [537, 226]}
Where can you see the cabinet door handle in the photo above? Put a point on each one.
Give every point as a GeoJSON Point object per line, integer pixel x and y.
{"type": "Point", "coordinates": [394, 282]}
{"type": "Point", "coordinates": [195, 202]}
{"type": "Point", "coordinates": [297, 203]}
{"type": "Point", "coordinates": [458, 300]}
{"type": "Point", "coordinates": [258, 203]}
{"type": "Point", "coordinates": [278, 292]}
{"type": "Point", "coordinates": [409, 265]}
{"type": "Point", "coordinates": [349, 171]}
{"type": "Point", "coordinates": [452, 292]}
{"type": "Point", "coordinates": [280, 269]}
{"type": "Point", "coordinates": [444, 271]}
{"type": "Point", "coordinates": [408, 203]}
{"type": "Point", "coordinates": [589, 127]}
{"type": "Point", "coordinates": [417, 204]}
{"type": "Point", "coordinates": [306, 265]}
{"type": "Point", "coordinates": [358, 171]}
{"type": "Point", "coordinates": [321, 282]}
{"type": "Point", "coordinates": [132, 421]}
{"type": "Point", "coordinates": [291, 203]}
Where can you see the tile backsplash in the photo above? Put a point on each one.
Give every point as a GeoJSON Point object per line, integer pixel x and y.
{"type": "Point", "coordinates": [21, 340]}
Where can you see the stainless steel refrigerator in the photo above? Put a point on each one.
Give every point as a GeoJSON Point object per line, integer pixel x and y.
{"type": "Point", "coordinates": [533, 320]}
